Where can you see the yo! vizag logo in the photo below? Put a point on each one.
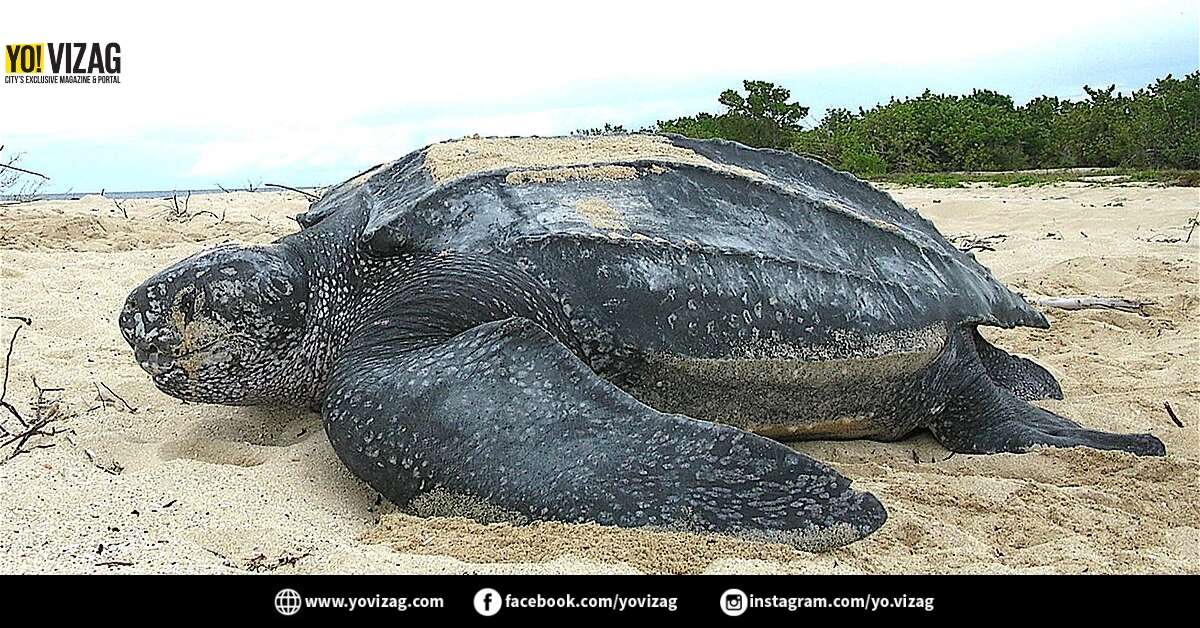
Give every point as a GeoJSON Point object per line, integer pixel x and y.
{"type": "Point", "coordinates": [63, 62]}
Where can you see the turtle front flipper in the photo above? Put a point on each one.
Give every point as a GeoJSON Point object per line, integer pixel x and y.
{"type": "Point", "coordinates": [981, 417]}
{"type": "Point", "coordinates": [506, 414]}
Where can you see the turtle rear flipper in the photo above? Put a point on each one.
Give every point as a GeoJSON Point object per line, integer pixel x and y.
{"type": "Point", "coordinates": [1022, 377]}
{"type": "Point", "coordinates": [505, 414]}
{"type": "Point", "coordinates": [980, 417]}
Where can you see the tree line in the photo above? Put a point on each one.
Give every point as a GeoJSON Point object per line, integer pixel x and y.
{"type": "Point", "coordinates": [1156, 127]}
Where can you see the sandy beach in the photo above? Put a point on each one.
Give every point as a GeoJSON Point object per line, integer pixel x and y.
{"type": "Point", "coordinates": [135, 481]}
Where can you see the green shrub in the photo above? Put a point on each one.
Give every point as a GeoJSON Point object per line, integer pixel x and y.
{"type": "Point", "coordinates": [1157, 127]}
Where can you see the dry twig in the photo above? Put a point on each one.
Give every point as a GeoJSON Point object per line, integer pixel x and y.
{"type": "Point", "coordinates": [970, 242]}
{"type": "Point", "coordinates": [181, 211]}
{"type": "Point", "coordinates": [121, 206]}
{"type": "Point", "coordinates": [13, 185]}
{"type": "Point", "coordinates": [113, 397]}
{"type": "Point", "coordinates": [1092, 303]}
{"type": "Point", "coordinates": [46, 410]}
{"type": "Point", "coordinates": [36, 174]}
{"type": "Point", "coordinates": [1171, 413]}
{"type": "Point", "coordinates": [309, 195]}
{"type": "Point", "coordinates": [8, 360]}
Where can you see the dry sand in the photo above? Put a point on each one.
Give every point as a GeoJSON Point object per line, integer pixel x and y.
{"type": "Point", "coordinates": [214, 489]}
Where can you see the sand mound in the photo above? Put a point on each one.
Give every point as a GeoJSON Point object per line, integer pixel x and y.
{"type": "Point", "coordinates": [190, 488]}
{"type": "Point", "coordinates": [96, 223]}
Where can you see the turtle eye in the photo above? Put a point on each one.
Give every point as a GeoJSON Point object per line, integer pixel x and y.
{"type": "Point", "coordinates": [280, 287]}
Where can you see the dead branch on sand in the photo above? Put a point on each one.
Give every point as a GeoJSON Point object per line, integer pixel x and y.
{"type": "Point", "coordinates": [1171, 413]}
{"type": "Point", "coordinates": [1159, 238]}
{"type": "Point", "coordinates": [110, 465]}
{"type": "Point", "coordinates": [106, 396]}
{"type": "Point", "coordinates": [205, 212]}
{"type": "Point", "coordinates": [46, 409]}
{"type": "Point", "coordinates": [310, 196]}
{"type": "Point", "coordinates": [120, 205]}
{"type": "Point", "coordinates": [12, 183]}
{"type": "Point", "coordinates": [10, 165]}
{"type": "Point", "coordinates": [1092, 303]}
{"type": "Point", "coordinates": [4, 383]}
{"type": "Point", "coordinates": [181, 211]}
{"type": "Point", "coordinates": [970, 242]}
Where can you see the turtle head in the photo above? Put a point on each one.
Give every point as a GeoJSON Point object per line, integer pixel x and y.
{"type": "Point", "coordinates": [223, 326]}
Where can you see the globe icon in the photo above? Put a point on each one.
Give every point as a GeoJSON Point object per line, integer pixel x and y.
{"type": "Point", "coordinates": [287, 602]}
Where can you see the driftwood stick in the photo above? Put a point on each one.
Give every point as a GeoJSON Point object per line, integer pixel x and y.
{"type": "Point", "coordinates": [110, 391]}
{"type": "Point", "coordinates": [45, 411]}
{"type": "Point", "coordinates": [1092, 303]}
{"type": "Point", "coordinates": [970, 242]}
{"type": "Point", "coordinates": [203, 212]}
{"type": "Point", "coordinates": [36, 174]}
{"type": "Point", "coordinates": [1171, 413]}
{"type": "Point", "coordinates": [4, 383]}
{"type": "Point", "coordinates": [309, 195]}
{"type": "Point", "coordinates": [121, 206]}
{"type": "Point", "coordinates": [20, 439]}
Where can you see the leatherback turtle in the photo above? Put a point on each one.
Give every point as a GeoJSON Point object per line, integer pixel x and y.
{"type": "Point", "coordinates": [612, 329]}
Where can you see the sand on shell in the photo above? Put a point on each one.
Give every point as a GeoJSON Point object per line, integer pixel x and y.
{"type": "Point", "coordinates": [174, 487]}
{"type": "Point", "coordinates": [561, 158]}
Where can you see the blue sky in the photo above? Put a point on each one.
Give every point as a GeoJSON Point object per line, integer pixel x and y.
{"type": "Point", "coordinates": [307, 99]}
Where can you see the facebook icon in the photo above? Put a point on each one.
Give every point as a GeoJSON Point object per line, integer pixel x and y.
{"type": "Point", "coordinates": [488, 602]}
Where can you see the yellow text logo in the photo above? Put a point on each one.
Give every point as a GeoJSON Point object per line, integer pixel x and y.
{"type": "Point", "coordinates": [24, 58]}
